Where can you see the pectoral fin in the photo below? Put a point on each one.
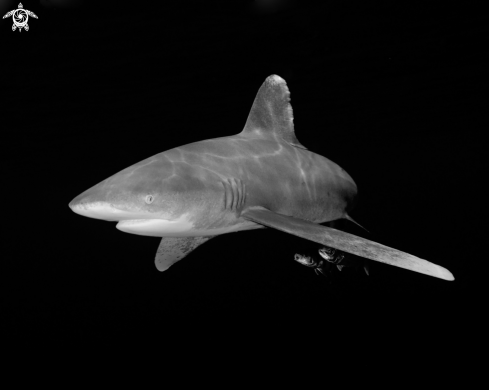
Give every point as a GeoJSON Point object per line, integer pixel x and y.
{"type": "Point", "coordinates": [346, 242]}
{"type": "Point", "coordinates": [173, 249]}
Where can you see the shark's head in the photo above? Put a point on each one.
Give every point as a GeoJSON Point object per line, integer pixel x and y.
{"type": "Point", "coordinates": [153, 197]}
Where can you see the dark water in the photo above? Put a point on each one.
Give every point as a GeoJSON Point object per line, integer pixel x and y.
{"type": "Point", "coordinates": [394, 96]}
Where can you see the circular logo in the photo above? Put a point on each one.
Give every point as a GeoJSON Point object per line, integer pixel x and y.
{"type": "Point", "coordinates": [20, 17]}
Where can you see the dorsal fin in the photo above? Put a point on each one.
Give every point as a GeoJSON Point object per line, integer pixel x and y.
{"type": "Point", "coordinates": [271, 113]}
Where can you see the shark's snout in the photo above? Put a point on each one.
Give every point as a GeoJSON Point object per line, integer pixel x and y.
{"type": "Point", "coordinates": [92, 203]}
{"type": "Point", "coordinates": [99, 210]}
{"type": "Point", "coordinates": [95, 203]}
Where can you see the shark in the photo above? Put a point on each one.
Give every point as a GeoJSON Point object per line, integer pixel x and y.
{"type": "Point", "coordinates": [260, 177]}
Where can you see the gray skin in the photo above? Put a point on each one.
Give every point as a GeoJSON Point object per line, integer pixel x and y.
{"type": "Point", "coordinates": [217, 179]}
{"type": "Point", "coordinates": [260, 177]}
{"type": "Point", "coordinates": [276, 176]}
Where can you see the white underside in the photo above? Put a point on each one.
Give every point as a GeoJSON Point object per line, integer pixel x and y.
{"type": "Point", "coordinates": [146, 224]}
{"type": "Point", "coordinates": [157, 227]}
{"type": "Point", "coordinates": [177, 228]}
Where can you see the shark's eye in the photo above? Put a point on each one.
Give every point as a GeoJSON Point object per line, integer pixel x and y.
{"type": "Point", "coordinates": [149, 199]}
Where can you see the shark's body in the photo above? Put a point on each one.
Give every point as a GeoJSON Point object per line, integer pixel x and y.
{"type": "Point", "coordinates": [260, 177]}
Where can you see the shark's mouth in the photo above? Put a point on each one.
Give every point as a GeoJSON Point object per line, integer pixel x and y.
{"type": "Point", "coordinates": [157, 227]}
{"type": "Point", "coordinates": [137, 222]}
{"type": "Point", "coordinates": [154, 224]}
{"type": "Point", "coordinates": [110, 212]}
{"type": "Point", "coordinates": [106, 211]}
{"type": "Point", "coordinates": [180, 227]}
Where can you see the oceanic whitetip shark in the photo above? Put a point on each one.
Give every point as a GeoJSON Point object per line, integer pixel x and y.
{"type": "Point", "coordinates": [261, 177]}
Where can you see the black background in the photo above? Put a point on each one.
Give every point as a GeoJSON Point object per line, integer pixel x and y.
{"type": "Point", "coordinates": [392, 93]}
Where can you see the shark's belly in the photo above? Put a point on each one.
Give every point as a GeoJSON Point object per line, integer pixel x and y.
{"type": "Point", "coordinates": [181, 227]}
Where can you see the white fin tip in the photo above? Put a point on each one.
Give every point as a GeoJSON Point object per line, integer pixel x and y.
{"type": "Point", "coordinates": [274, 79]}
